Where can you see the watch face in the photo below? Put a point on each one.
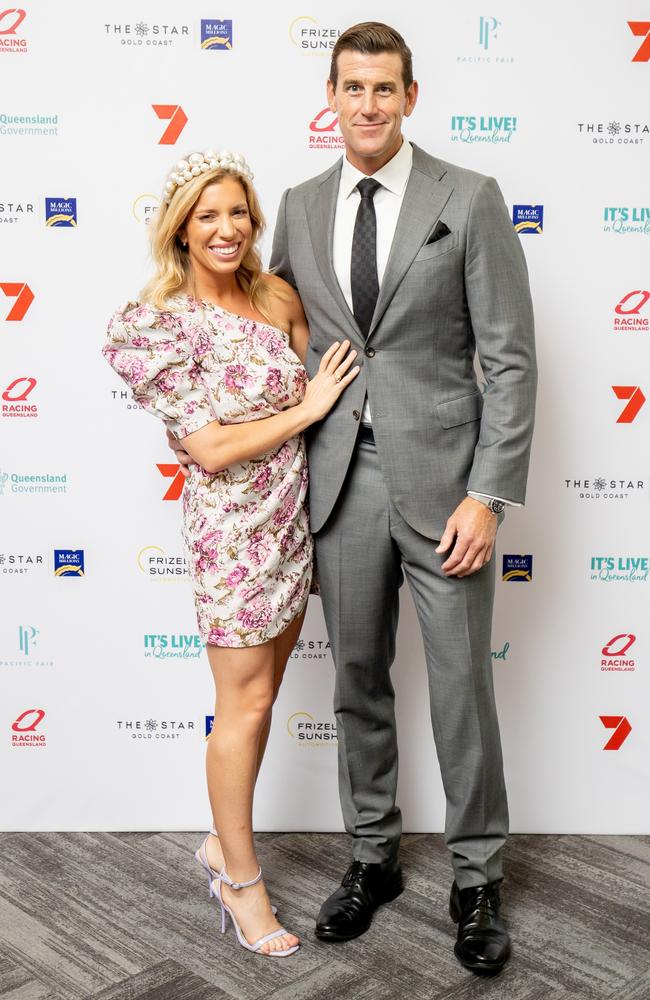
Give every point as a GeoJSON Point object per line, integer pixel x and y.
{"type": "Point", "coordinates": [497, 506]}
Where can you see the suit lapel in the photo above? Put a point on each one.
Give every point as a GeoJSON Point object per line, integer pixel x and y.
{"type": "Point", "coordinates": [321, 209]}
{"type": "Point", "coordinates": [427, 193]}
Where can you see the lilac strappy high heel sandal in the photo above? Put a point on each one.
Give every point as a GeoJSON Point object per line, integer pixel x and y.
{"type": "Point", "coordinates": [226, 911]}
{"type": "Point", "coordinates": [201, 856]}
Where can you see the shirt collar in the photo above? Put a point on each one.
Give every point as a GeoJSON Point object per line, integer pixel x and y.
{"type": "Point", "coordinates": [393, 175]}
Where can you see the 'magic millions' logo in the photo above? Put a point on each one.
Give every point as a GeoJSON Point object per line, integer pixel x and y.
{"type": "Point", "coordinates": [528, 218]}
{"type": "Point", "coordinates": [68, 562]}
{"type": "Point", "coordinates": [61, 212]}
{"type": "Point", "coordinates": [483, 128]}
{"type": "Point", "coordinates": [627, 569]}
{"type": "Point", "coordinates": [216, 35]}
{"type": "Point", "coordinates": [517, 569]}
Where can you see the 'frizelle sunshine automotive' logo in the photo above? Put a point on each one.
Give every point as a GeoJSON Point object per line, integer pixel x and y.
{"type": "Point", "coordinates": [311, 37]}
{"type": "Point", "coordinates": [311, 732]}
{"type": "Point", "coordinates": [154, 562]}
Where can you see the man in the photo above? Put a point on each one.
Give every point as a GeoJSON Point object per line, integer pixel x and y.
{"type": "Point", "coordinates": [417, 263]}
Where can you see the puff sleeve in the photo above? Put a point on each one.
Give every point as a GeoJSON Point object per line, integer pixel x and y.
{"type": "Point", "coordinates": [153, 352]}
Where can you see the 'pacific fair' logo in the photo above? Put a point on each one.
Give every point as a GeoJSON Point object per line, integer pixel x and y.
{"type": "Point", "coordinates": [174, 114]}
{"type": "Point", "coordinates": [172, 470]}
{"type": "Point", "coordinates": [641, 29]}
{"type": "Point", "coordinates": [621, 727]}
{"type": "Point", "coordinates": [636, 399]}
{"type": "Point", "coordinates": [23, 295]}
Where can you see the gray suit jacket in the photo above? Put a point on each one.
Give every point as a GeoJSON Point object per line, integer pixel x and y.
{"type": "Point", "coordinates": [437, 436]}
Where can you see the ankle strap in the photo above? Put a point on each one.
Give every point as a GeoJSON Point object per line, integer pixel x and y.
{"type": "Point", "coordinates": [225, 877]}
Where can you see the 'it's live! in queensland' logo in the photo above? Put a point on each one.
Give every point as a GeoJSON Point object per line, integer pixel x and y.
{"type": "Point", "coordinates": [174, 114]}
{"type": "Point", "coordinates": [613, 656]}
{"type": "Point", "coordinates": [631, 313]}
{"type": "Point", "coordinates": [61, 212]}
{"type": "Point", "coordinates": [620, 569]}
{"type": "Point", "coordinates": [517, 569]}
{"type": "Point", "coordinates": [176, 645]}
{"type": "Point", "coordinates": [216, 35]}
{"type": "Point", "coordinates": [22, 293]}
{"type": "Point", "coordinates": [627, 219]}
{"type": "Point", "coordinates": [483, 128]}
{"type": "Point", "coordinates": [10, 21]}
{"type": "Point", "coordinates": [528, 218]}
{"type": "Point", "coordinates": [323, 132]}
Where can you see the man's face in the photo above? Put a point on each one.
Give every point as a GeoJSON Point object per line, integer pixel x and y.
{"type": "Point", "coordinates": [370, 102]}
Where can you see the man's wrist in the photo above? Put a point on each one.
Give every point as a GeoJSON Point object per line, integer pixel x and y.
{"type": "Point", "coordinates": [493, 504]}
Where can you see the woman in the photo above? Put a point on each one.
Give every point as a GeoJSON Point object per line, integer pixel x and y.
{"type": "Point", "coordinates": [215, 349]}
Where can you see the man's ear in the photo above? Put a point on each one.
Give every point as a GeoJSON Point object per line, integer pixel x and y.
{"type": "Point", "coordinates": [331, 99]}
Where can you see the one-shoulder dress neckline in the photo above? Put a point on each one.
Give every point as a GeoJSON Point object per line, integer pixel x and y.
{"type": "Point", "coordinates": [227, 312]}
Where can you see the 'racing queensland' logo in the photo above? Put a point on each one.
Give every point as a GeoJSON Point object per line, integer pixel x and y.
{"type": "Point", "coordinates": [61, 212]}
{"type": "Point", "coordinates": [10, 20]}
{"type": "Point", "coordinates": [517, 569]}
{"type": "Point", "coordinates": [627, 219]}
{"type": "Point", "coordinates": [216, 35]}
{"type": "Point", "coordinates": [528, 218]}
{"type": "Point", "coordinates": [311, 732]}
{"type": "Point", "coordinates": [14, 398]}
{"type": "Point", "coordinates": [69, 562]}
{"type": "Point", "coordinates": [483, 128]}
{"type": "Point", "coordinates": [613, 656]}
{"type": "Point", "coordinates": [620, 569]}
{"type": "Point", "coordinates": [311, 37]}
{"type": "Point", "coordinates": [323, 132]}
{"type": "Point", "coordinates": [23, 729]}
{"type": "Point", "coordinates": [628, 312]}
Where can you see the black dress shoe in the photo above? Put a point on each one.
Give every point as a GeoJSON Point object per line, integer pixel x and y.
{"type": "Point", "coordinates": [483, 944]}
{"type": "Point", "coordinates": [349, 911]}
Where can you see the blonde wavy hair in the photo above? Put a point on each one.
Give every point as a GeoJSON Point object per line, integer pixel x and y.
{"type": "Point", "coordinates": [173, 273]}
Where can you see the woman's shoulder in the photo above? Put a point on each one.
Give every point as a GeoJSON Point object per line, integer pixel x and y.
{"type": "Point", "coordinates": [280, 287]}
{"type": "Point", "coordinates": [137, 316]}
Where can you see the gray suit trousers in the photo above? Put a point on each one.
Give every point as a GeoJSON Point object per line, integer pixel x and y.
{"type": "Point", "coordinates": [363, 553]}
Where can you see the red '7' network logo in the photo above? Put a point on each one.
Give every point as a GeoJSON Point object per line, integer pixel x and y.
{"type": "Point", "coordinates": [642, 30]}
{"type": "Point", "coordinates": [23, 295]}
{"type": "Point", "coordinates": [621, 727]}
{"type": "Point", "coordinates": [636, 400]}
{"type": "Point", "coordinates": [174, 114]}
{"type": "Point", "coordinates": [172, 470]}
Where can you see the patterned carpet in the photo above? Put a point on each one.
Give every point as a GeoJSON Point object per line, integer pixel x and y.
{"type": "Point", "coordinates": [127, 917]}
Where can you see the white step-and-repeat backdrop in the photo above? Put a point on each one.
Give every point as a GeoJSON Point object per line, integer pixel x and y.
{"type": "Point", "coordinates": [105, 691]}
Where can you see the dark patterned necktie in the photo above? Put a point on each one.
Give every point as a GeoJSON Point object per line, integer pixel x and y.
{"type": "Point", "coordinates": [363, 271]}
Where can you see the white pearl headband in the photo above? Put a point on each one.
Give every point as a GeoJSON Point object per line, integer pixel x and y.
{"type": "Point", "coordinates": [200, 163]}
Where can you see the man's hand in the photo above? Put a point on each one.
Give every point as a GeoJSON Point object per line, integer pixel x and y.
{"type": "Point", "coordinates": [182, 456]}
{"type": "Point", "coordinates": [473, 526]}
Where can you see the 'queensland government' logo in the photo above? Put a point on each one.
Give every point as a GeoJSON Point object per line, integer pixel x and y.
{"type": "Point", "coordinates": [309, 731]}
{"type": "Point", "coordinates": [620, 569]}
{"type": "Point", "coordinates": [17, 482]}
{"type": "Point", "coordinates": [626, 219]}
{"type": "Point", "coordinates": [517, 569]}
{"type": "Point", "coordinates": [68, 562]}
{"type": "Point", "coordinates": [61, 212]}
{"type": "Point", "coordinates": [483, 128]}
{"type": "Point", "coordinates": [216, 35]}
{"type": "Point", "coordinates": [613, 653]}
{"type": "Point", "coordinates": [311, 37]}
{"type": "Point", "coordinates": [28, 124]}
{"type": "Point", "coordinates": [528, 218]}
{"type": "Point", "coordinates": [631, 313]}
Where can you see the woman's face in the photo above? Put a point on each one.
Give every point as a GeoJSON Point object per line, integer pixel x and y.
{"type": "Point", "coordinates": [219, 230]}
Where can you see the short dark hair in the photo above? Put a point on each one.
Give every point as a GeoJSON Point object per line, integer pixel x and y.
{"type": "Point", "coordinates": [373, 37]}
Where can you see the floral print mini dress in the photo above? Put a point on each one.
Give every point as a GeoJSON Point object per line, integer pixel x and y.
{"type": "Point", "coordinates": [246, 527]}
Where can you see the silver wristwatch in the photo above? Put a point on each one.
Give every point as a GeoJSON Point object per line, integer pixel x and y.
{"type": "Point", "coordinates": [496, 506]}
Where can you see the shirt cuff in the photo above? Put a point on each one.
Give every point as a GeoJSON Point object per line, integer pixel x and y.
{"type": "Point", "coordinates": [488, 496]}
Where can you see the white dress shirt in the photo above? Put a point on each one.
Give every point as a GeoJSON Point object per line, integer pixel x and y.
{"type": "Point", "coordinates": [393, 177]}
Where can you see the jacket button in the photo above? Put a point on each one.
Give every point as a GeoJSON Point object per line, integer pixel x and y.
{"type": "Point", "coordinates": [356, 414]}
{"type": "Point", "coordinates": [369, 353]}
